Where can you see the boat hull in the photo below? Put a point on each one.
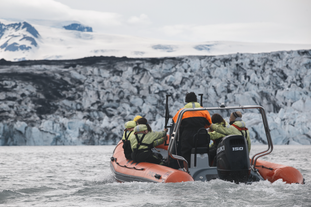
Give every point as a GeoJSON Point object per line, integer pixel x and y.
{"type": "Point", "coordinates": [129, 171]}
{"type": "Point", "coordinates": [272, 172]}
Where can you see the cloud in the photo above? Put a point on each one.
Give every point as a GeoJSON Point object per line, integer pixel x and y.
{"type": "Point", "coordinates": [288, 24]}
{"type": "Point", "coordinates": [52, 10]}
{"type": "Point", "coordinates": [174, 30]}
{"type": "Point", "coordinates": [252, 32]}
{"type": "Point", "coordinates": [142, 19]}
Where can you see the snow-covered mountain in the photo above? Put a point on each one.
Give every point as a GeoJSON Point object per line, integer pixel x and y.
{"type": "Point", "coordinates": [64, 40]}
{"type": "Point", "coordinates": [18, 37]}
{"type": "Point", "coordinates": [88, 100]}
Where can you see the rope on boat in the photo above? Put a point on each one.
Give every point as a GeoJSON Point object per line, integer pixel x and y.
{"type": "Point", "coordinates": [115, 159]}
{"type": "Point", "coordinates": [269, 168]}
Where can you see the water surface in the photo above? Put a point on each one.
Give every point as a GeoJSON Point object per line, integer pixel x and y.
{"type": "Point", "coordinates": [81, 176]}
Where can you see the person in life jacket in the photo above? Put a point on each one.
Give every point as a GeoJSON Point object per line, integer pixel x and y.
{"type": "Point", "coordinates": [215, 136]}
{"type": "Point", "coordinates": [191, 122]}
{"type": "Point", "coordinates": [129, 127]}
{"type": "Point", "coordinates": [237, 127]}
{"type": "Point", "coordinates": [143, 140]}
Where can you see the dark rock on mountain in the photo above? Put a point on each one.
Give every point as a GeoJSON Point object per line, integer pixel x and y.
{"type": "Point", "coordinates": [164, 48]}
{"type": "Point", "coordinates": [78, 27]}
{"type": "Point", "coordinates": [206, 47]}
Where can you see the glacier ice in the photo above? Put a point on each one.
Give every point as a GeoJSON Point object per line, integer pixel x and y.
{"type": "Point", "coordinates": [86, 101]}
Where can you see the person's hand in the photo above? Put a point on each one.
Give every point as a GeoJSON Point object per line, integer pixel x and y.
{"type": "Point", "coordinates": [165, 130]}
{"type": "Point", "coordinates": [165, 138]}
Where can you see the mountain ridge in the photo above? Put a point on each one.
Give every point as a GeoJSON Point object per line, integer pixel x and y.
{"type": "Point", "coordinates": [59, 43]}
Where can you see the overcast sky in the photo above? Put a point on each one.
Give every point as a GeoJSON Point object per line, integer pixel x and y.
{"type": "Point", "coordinates": [277, 21]}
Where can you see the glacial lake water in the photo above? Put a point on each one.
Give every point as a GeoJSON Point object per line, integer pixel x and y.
{"type": "Point", "coordinates": [81, 176]}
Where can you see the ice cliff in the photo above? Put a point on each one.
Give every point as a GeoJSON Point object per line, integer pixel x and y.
{"type": "Point", "coordinates": [86, 101]}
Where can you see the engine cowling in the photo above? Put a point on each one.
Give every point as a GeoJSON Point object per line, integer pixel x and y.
{"type": "Point", "coordinates": [233, 162]}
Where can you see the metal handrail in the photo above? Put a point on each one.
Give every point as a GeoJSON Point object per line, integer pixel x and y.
{"type": "Point", "coordinates": [270, 144]}
{"type": "Point", "coordinates": [175, 132]}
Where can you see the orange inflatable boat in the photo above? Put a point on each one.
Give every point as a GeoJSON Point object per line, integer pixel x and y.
{"type": "Point", "coordinates": [233, 162]}
{"type": "Point", "coordinates": [272, 172]}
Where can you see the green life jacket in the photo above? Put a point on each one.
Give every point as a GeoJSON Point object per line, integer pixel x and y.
{"type": "Point", "coordinates": [140, 143]}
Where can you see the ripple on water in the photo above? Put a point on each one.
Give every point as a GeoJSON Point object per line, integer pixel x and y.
{"type": "Point", "coordinates": [7, 195]}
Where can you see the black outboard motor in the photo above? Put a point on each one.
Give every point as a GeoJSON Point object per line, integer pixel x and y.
{"type": "Point", "coordinates": [233, 162]}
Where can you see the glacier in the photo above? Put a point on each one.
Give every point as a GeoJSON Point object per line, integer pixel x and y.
{"type": "Point", "coordinates": [87, 101]}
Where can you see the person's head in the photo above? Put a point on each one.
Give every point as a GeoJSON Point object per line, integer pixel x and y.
{"type": "Point", "coordinates": [141, 121]}
{"type": "Point", "coordinates": [217, 118]}
{"type": "Point", "coordinates": [191, 97]}
{"type": "Point", "coordinates": [129, 126]}
{"type": "Point", "coordinates": [144, 121]}
{"type": "Point", "coordinates": [235, 116]}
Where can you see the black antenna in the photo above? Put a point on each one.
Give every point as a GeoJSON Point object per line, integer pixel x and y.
{"type": "Point", "coordinates": [167, 113]}
{"type": "Point", "coordinates": [167, 116]}
{"type": "Point", "coordinates": [201, 102]}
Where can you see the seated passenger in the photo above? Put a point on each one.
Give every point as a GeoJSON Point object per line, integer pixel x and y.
{"type": "Point", "coordinates": [237, 127]}
{"type": "Point", "coordinates": [192, 121]}
{"type": "Point", "coordinates": [217, 119]}
{"type": "Point", "coordinates": [129, 126]}
{"type": "Point", "coordinates": [143, 140]}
